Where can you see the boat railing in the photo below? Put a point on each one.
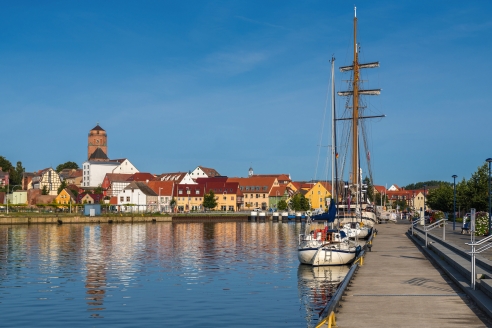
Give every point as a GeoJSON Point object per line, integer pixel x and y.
{"type": "Point", "coordinates": [436, 225]}
{"type": "Point", "coordinates": [327, 316]}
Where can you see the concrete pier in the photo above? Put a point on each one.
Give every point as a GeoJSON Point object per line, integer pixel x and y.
{"type": "Point", "coordinates": [398, 286]}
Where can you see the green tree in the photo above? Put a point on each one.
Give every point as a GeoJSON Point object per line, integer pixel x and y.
{"type": "Point", "coordinates": [62, 186]}
{"type": "Point", "coordinates": [420, 185]}
{"type": "Point", "coordinates": [475, 194]}
{"type": "Point", "coordinates": [282, 205]}
{"type": "Point", "coordinates": [18, 173]}
{"type": "Point", "coordinates": [98, 190]}
{"type": "Point", "coordinates": [300, 203]}
{"type": "Point", "coordinates": [441, 198]}
{"type": "Point", "coordinates": [66, 165]}
{"type": "Point", "coordinates": [172, 203]}
{"type": "Point", "coordinates": [209, 200]}
{"type": "Point", "coordinates": [44, 191]}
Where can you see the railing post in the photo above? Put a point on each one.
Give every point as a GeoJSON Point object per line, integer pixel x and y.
{"type": "Point", "coordinates": [444, 230]}
{"type": "Point", "coordinates": [473, 267]}
{"type": "Point", "coordinates": [425, 236]}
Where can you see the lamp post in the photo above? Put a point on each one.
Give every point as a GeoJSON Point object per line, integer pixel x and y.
{"type": "Point", "coordinates": [424, 204]}
{"type": "Point", "coordinates": [489, 160]}
{"type": "Point", "coordinates": [188, 193]}
{"type": "Point", "coordinates": [224, 194]}
{"type": "Point", "coordinates": [454, 200]}
{"type": "Point", "coordinates": [7, 195]}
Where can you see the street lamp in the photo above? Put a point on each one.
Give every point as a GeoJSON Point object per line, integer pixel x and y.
{"type": "Point", "coordinates": [7, 195]}
{"type": "Point", "coordinates": [188, 193]}
{"type": "Point", "coordinates": [454, 200]}
{"type": "Point", "coordinates": [489, 160]}
{"type": "Point", "coordinates": [224, 194]}
{"type": "Point", "coordinates": [424, 204]}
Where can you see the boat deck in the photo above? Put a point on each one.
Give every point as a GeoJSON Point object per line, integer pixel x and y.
{"type": "Point", "coordinates": [398, 286]}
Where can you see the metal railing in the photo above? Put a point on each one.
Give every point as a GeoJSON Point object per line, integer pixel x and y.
{"type": "Point", "coordinates": [475, 251]}
{"type": "Point", "coordinates": [433, 226]}
{"type": "Point", "coordinates": [328, 314]}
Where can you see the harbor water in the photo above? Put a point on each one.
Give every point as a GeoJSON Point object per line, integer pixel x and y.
{"type": "Point", "coordinates": [227, 274]}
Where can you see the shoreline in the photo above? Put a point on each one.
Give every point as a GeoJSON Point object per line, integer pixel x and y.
{"type": "Point", "coordinates": [61, 219]}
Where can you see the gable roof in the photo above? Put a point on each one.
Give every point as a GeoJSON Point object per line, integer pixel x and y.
{"type": "Point", "coordinates": [118, 177]}
{"type": "Point", "coordinates": [166, 187]}
{"type": "Point", "coordinates": [146, 190]}
{"type": "Point", "coordinates": [255, 182]}
{"type": "Point", "coordinates": [210, 172]}
{"type": "Point", "coordinates": [70, 193]}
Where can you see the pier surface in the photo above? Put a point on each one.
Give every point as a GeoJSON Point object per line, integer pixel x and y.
{"type": "Point", "coordinates": [400, 287]}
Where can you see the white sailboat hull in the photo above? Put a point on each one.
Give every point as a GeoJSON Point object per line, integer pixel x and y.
{"type": "Point", "coordinates": [331, 254]}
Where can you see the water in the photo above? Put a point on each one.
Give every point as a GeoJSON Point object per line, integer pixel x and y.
{"type": "Point", "coordinates": [162, 274]}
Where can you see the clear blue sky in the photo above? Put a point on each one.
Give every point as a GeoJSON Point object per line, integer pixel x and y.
{"type": "Point", "coordinates": [229, 84]}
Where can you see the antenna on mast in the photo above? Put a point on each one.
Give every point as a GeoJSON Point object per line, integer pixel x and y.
{"type": "Point", "coordinates": [355, 11]}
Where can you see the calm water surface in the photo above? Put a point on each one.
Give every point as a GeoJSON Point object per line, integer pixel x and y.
{"type": "Point", "coordinates": [162, 274]}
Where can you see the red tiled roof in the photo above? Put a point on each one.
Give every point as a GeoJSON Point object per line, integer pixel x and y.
{"type": "Point", "coordinates": [141, 176]}
{"type": "Point", "coordinates": [97, 127]}
{"type": "Point", "coordinates": [167, 187]}
{"type": "Point", "coordinates": [112, 177]}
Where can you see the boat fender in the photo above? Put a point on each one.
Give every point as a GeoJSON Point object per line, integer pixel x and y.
{"type": "Point", "coordinates": [308, 213]}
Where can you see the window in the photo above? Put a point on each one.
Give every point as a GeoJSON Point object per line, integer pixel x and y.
{"type": "Point", "coordinates": [319, 192]}
{"type": "Point", "coordinates": [264, 195]}
{"type": "Point", "coordinates": [127, 198]}
{"type": "Point", "coordinates": [257, 196]}
{"type": "Point", "coordinates": [122, 199]}
{"type": "Point", "coordinates": [225, 198]}
{"type": "Point", "coordinates": [232, 197]}
{"type": "Point", "coordinates": [197, 192]}
{"type": "Point", "coordinates": [180, 192]}
{"type": "Point", "coordinates": [245, 195]}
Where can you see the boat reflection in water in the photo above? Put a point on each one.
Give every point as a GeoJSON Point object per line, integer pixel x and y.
{"type": "Point", "coordinates": [316, 286]}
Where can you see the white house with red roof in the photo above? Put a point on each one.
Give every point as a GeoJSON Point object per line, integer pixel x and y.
{"type": "Point", "coordinates": [203, 172]}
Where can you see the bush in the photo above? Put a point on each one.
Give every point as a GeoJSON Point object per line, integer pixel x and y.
{"type": "Point", "coordinates": [481, 224]}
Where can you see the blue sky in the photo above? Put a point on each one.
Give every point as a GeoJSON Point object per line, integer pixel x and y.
{"type": "Point", "coordinates": [230, 84]}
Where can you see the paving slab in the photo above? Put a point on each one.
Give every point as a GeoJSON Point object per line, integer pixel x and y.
{"type": "Point", "coordinates": [399, 287]}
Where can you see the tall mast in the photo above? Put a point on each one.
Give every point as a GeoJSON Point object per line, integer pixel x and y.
{"type": "Point", "coordinates": [333, 145]}
{"type": "Point", "coordinates": [355, 93]}
{"type": "Point", "coordinates": [355, 109]}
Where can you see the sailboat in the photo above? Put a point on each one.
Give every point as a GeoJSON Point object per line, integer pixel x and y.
{"type": "Point", "coordinates": [326, 246]}
{"type": "Point", "coordinates": [332, 247]}
{"type": "Point", "coordinates": [356, 207]}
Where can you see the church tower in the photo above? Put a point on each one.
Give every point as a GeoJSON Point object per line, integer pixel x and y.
{"type": "Point", "coordinates": [97, 149]}
{"type": "Point", "coordinates": [250, 172]}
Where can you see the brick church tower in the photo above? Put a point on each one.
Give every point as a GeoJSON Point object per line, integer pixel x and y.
{"type": "Point", "coordinates": [97, 149]}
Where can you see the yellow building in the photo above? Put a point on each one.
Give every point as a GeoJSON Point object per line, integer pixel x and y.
{"type": "Point", "coordinates": [65, 197]}
{"type": "Point", "coordinates": [318, 195]}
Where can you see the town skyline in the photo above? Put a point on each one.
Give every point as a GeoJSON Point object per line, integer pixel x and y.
{"type": "Point", "coordinates": [242, 85]}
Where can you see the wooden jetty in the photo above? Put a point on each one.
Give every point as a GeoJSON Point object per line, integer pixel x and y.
{"type": "Point", "coordinates": [398, 286]}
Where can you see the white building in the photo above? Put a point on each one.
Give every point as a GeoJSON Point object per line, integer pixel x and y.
{"type": "Point", "coordinates": [203, 172]}
{"type": "Point", "coordinates": [177, 178]}
{"type": "Point", "coordinates": [137, 197]}
{"type": "Point", "coordinates": [93, 172]}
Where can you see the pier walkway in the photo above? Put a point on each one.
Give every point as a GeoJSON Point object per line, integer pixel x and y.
{"type": "Point", "coordinates": [399, 286]}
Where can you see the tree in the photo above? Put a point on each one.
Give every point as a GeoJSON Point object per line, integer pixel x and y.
{"type": "Point", "coordinates": [441, 198]}
{"type": "Point", "coordinates": [44, 191]}
{"type": "Point", "coordinates": [98, 190]}
{"type": "Point", "coordinates": [172, 203]}
{"type": "Point", "coordinates": [66, 165]}
{"type": "Point", "coordinates": [420, 185]}
{"type": "Point", "coordinates": [209, 201]}
{"type": "Point", "coordinates": [282, 205]}
{"type": "Point", "coordinates": [62, 186]}
{"type": "Point", "coordinates": [475, 194]}
{"type": "Point", "coordinates": [18, 173]}
{"type": "Point", "coordinates": [300, 203]}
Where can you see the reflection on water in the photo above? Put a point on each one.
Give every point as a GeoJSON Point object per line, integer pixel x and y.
{"type": "Point", "coordinates": [182, 274]}
{"type": "Point", "coordinates": [317, 285]}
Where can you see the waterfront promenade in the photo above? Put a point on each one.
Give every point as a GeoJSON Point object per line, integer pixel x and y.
{"type": "Point", "coordinates": [398, 286]}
